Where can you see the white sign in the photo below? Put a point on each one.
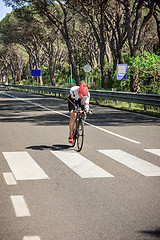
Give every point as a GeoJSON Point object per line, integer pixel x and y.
{"type": "Point", "coordinates": [87, 68]}
{"type": "Point", "coordinates": [121, 71]}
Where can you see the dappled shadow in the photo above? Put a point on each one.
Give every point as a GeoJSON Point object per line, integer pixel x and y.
{"type": "Point", "coordinates": [41, 120]}
{"type": "Point", "coordinates": [18, 111]}
{"type": "Point", "coordinates": [55, 147]}
{"type": "Point", "coordinates": [105, 116]}
{"type": "Point", "coordinates": [155, 232]}
{"type": "Point", "coordinates": [13, 110]}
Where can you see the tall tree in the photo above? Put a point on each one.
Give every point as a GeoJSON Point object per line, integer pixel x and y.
{"type": "Point", "coordinates": [23, 33]}
{"type": "Point", "coordinates": [115, 30]}
{"type": "Point", "coordinates": [93, 13]}
{"type": "Point", "coordinates": [136, 23]}
{"type": "Point", "coordinates": [60, 18]}
{"type": "Point", "coordinates": [156, 15]}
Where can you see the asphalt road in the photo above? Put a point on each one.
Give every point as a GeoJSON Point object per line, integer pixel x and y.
{"type": "Point", "coordinates": [108, 191]}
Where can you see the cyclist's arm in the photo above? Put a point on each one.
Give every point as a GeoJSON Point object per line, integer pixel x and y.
{"type": "Point", "coordinates": [86, 102]}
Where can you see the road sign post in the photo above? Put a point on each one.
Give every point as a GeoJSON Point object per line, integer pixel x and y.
{"type": "Point", "coordinates": [36, 73]}
{"type": "Point", "coordinates": [87, 68]}
{"type": "Point", "coordinates": [121, 72]}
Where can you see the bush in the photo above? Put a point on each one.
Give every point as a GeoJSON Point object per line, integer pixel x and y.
{"type": "Point", "coordinates": [147, 67]}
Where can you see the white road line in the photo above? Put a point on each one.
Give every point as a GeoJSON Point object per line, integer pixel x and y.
{"type": "Point", "coordinates": [31, 238]}
{"type": "Point", "coordinates": [37, 104]}
{"type": "Point", "coordinates": [135, 163]}
{"type": "Point", "coordinates": [24, 167]}
{"type": "Point", "coordinates": [112, 133]}
{"type": "Point", "coordinates": [99, 128]}
{"type": "Point", "coordinates": [9, 178]}
{"type": "Point", "coordinates": [80, 165]}
{"type": "Point", "coordinates": [20, 206]}
{"type": "Point", "coordinates": [154, 151]}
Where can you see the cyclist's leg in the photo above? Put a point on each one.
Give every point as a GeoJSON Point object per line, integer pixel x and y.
{"type": "Point", "coordinates": [71, 107]}
{"type": "Point", "coordinates": [71, 122]}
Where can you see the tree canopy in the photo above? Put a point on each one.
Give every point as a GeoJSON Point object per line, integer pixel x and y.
{"type": "Point", "coordinates": [57, 35]}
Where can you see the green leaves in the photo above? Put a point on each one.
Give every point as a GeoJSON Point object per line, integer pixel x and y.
{"type": "Point", "coordinates": [147, 66]}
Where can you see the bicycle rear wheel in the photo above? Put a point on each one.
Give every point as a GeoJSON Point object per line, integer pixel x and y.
{"type": "Point", "coordinates": [80, 135]}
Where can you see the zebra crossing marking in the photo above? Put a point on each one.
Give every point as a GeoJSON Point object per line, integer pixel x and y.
{"type": "Point", "coordinates": [154, 151]}
{"type": "Point", "coordinates": [81, 165]}
{"type": "Point", "coordinates": [139, 165]}
{"type": "Point", "coordinates": [24, 167]}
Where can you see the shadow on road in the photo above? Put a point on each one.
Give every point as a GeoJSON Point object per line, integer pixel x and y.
{"type": "Point", "coordinates": [155, 232]}
{"type": "Point", "coordinates": [56, 147]}
{"type": "Point", "coordinates": [14, 110]}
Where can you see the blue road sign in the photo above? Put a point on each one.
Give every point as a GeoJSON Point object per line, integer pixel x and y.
{"type": "Point", "coordinates": [121, 71]}
{"type": "Point", "coordinates": [35, 72]}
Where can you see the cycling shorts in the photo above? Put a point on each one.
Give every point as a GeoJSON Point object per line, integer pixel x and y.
{"type": "Point", "coordinates": [73, 104]}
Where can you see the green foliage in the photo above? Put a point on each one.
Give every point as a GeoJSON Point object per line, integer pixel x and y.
{"type": "Point", "coordinates": [45, 75]}
{"type": "Point", "coordinates": [62, 74]}
{"type": "Point", "coordinates": [147, 66]}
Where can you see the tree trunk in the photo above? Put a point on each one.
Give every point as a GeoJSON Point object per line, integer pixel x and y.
{"type": "Point", "coordinates": [51, 71]}
{"type": "Point", "coordinates": [72, 61]}
{"type": "Point", "coordinates": [101, 45]}
{"type": "Point", "coordinates": [102, 50]}
{"type": "Point", "coordinates": [19, 76]}
{"type": "Point", "coordinates": [158, 30]}
{"type": "Point", "coordinates": [51, 65]}
{"type": "Point", "coordinates": [102, 64]}
{"type": "Point", "coordinates": [134, 81]}
{"type": "Point", "coordinates": [135, 34]}
{"type": "Point", "coordinates": [1, 76]}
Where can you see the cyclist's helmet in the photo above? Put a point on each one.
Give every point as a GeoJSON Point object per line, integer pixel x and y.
{"type": "Point", "coordinates": [83, 90]}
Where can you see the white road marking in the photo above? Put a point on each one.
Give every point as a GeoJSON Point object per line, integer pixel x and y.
{"type": "Point", "coordinates": [9, 178]}
{"type": "Point", "coordinates": [154, 151]}
{"type": "Point", "coordinates": [99, 128]}
{"type": "Point", "coordinates": [20, 206]}
{"type": "Point", "coordinates": [31, 238]}
{"type": "Point", "coordinates": [37, 104]}
{"type": "Point", "coordinates": [24, 167]}
{"type": "Point", "coordinates": [135, 163]}
{"type": "Point", "coordinates": [80, 165]}
{"type": "Point", "coordinates": [112, 133]}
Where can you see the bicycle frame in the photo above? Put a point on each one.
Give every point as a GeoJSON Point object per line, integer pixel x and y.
{"type": "Point", "coordinates": [78, 133]}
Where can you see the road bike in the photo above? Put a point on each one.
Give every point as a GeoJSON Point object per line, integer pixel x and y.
{"type": "Point", "coordinates": [78, 132]}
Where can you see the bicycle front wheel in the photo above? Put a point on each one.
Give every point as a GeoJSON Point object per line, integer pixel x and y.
{"type": "Point", "coordinates": [74, 138]}
{"type": "Point", "coordinates": [80, 135]}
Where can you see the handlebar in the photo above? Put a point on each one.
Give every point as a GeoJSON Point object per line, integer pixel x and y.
{"type": "Point", "coordinates": [82, 112]}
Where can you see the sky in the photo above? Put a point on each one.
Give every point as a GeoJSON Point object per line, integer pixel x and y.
{"type": "Point", "coordinates": [4, 10]}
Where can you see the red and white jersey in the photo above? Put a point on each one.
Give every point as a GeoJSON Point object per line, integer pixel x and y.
{"type": "Point", "coordinates": [75, 95]}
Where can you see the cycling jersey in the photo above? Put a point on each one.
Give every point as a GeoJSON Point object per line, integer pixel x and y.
{"type": "Point", "coordinates": [75, 96]}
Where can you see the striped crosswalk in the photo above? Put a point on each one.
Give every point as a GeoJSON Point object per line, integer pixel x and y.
{"type": "Point", "coordinates": [81, 165]}
{"type": "Point", "coordinates": [137, 164]}
{"type": "Point", "coordinates": [23, 166]}
{"type": "Point", "coordinates": [154, 151]}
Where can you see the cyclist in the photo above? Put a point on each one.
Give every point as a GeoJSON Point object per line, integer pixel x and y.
{"type": "Point", "coordinates": [6, 85]}
{"type": "Point", "coordinates": [79, 96]}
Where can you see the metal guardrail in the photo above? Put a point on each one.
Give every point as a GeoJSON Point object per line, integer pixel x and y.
{"type": "Point", "coordinates": [130, 97]}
